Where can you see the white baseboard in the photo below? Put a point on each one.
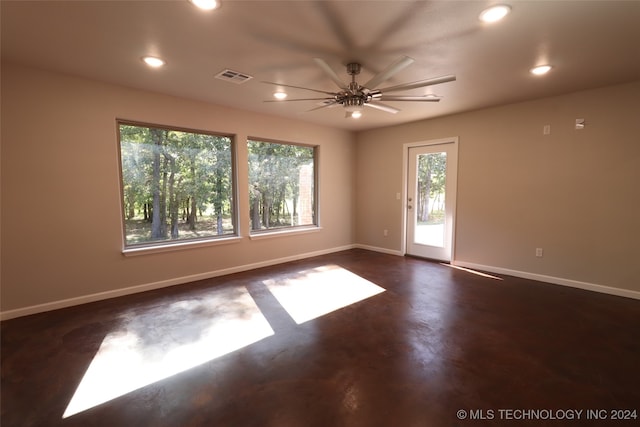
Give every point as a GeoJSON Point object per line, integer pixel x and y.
{"type": "Point", "coordinates": [40, 308]}
{"type": "Point", "coordinates": [628, 293]}
{"type": "Point", "coordinates": [378, 249]}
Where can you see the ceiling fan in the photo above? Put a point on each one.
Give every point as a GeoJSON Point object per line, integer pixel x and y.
{"type": "Point", "coordinates": [354, 96]}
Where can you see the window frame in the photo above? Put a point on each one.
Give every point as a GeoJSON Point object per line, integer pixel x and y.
{"type": "Point", "coordinates": [185, 243]}
{"type": "Point", "coordinates": [292, 229]}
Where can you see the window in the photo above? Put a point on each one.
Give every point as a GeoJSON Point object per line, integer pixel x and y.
{"type": "Point", "coordinates": [177, 185]}
{"type": "Point", "coordinates": [282, 185]}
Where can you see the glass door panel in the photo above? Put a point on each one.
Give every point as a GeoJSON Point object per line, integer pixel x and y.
{"type": "Point", "coordinates": [431, 185]}
{"type": "Point", "coordinates": [430, 199]}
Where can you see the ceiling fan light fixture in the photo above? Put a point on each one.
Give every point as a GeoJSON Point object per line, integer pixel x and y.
{"type": "Point", "coordinates": [153, 61]}
{"type": "Point", "coordinates": [353, 111]}
{"type": "Point", "coordinates": [494, 13]}
{"type": "Point", "coordinates": [540, 70]}
{"type": "Point", "coordinates": [205, 4]}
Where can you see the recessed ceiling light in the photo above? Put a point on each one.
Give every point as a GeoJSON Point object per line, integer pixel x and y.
{"type": "Point", "coordinates": [153, 61]}
{"type": "Point", "coordinates": [540, 70]}
{"type": "Point", "coordinates": [495, 13]}
{"type": "Point", "coordinates": [205, 4]}
{"type": "Point", "coordinates": [279, 95]}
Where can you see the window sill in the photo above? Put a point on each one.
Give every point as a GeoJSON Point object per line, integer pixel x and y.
{"type": "Point", "coordinates": [284, 233]}
{"type": "Point", "coordinates": [170, 247]}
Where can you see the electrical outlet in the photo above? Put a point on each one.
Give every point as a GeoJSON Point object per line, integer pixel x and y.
{"type": "Point", "coordinates": [539, 252]}
{"type": "Point", "coordinates": [385, 233]}
{"type": "Point", "coordinates": [546, 130]}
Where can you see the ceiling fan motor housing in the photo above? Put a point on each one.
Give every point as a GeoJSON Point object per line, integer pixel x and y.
{"type": "Point", "coordinates": [354, 101]}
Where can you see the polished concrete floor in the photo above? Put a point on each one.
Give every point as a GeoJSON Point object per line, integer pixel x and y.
{"type": "Point", "coordinates": [354, 338]}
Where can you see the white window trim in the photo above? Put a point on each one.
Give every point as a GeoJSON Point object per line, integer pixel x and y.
{"type": "Point", "coordinates": [294, 229]}
{"type": "Point", "coordinates": [175, 246]}
{"type": "Point", "coordinates": [267, 234]}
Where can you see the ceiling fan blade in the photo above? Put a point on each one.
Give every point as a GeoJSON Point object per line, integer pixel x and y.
{"type": "Point", "coordinates": [300, 87]}
{"type": "Point", "coordinates": [420, 83]}
{"type": "Point", "coordinates": [327, 105]}
{"type": "Point", "coordinates": [410, 98]}
{"type": "Point", "coordinates": [382, 107]}
{"type": "Point", "coordinates": [386, 74]}
{"type": "Point", "coordinates": [299, 99]}
{"type": "Point", "coordinates": [329, 72]}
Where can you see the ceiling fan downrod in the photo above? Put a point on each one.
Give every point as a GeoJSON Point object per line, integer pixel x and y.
{"type": "Point", "coordinates": [353, 69]}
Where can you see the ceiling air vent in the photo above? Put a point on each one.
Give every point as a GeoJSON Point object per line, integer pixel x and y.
{"type": "Point", "coordinates": [233, 76]}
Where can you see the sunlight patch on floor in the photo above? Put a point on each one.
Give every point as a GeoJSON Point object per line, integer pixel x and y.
{"type": "Point", "coordinates": [167, 340]}
{"type": "Point", "coordinates": [313, 293]}
{"type": "Point", "coordinates": [468, 270]}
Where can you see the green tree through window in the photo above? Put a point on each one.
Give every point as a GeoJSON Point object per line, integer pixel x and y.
{"type": "Point", "coordinates": [281, 185]}
{"type": "Point", "coordinates": [176, 184]}
{"type": "Point", "coordinates": [431, 183]}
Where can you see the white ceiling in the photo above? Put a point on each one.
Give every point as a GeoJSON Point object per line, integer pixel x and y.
{"type": "Point", "coordinates": [589, 43]}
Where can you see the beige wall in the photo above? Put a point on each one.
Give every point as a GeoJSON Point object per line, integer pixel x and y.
{"type": "Point", "coordinates": [575, 193]}
{"type": "Point", "coordinates": [61, 219]}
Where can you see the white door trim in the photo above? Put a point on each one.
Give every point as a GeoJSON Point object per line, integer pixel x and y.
{"type": "Point", "coordinates": [405, 172]}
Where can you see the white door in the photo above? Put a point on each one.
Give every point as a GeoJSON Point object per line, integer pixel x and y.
{"type": "Point", "coordinates": [431, 200]}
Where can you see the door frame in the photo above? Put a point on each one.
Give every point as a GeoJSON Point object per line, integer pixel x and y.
{"type": "Point", "coordinates": [405, 185]}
